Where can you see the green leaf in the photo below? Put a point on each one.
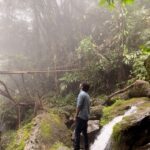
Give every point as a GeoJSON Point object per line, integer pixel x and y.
{"type": "Point", "coordinates": [111, 2]}
{"type": "Point", "coordinates": [127, 1]}
{"type": "Point", "coordinates": [102, 2]}
{"type": "Point", "coordinates": [107, 3]}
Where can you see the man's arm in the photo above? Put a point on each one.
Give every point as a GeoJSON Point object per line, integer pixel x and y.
{"type": "Point", "coordinates": [79, 106]}
{"type": "Point", "coordinates": [77, 112]}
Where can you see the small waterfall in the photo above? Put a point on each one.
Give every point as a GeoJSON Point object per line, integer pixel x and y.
{"type": "Point", "coordinates": [106, 132]}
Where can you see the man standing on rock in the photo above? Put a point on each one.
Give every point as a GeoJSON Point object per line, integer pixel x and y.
{"type": "Point", "coordinates": [82, 116]}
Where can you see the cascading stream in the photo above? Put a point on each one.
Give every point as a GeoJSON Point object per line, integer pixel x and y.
{"type": "Point", "coordinates": [106, 132]}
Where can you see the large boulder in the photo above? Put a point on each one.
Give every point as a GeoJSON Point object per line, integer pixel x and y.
{"type": "Point", "coordinates": [139, 88]}
{"type": "Point", "coordinates": [93, 129]}
{"type": "Point", "coordinates": [46, 131]}
{"type": "Point", "coordinates": [133, 133]}
{"type": "Point", "coordinates": [49, 129]}
{"type": "Point", "coordinates": [96, 112]}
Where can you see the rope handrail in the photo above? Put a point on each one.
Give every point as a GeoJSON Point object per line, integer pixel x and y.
{"type": "Point", "coordinates": [39, 71]}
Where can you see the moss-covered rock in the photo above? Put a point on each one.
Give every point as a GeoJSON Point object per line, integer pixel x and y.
{"type": "Point", "coordinates": [119, 108]}
{"type": "Point", "coordinates": [134, 131]}
{"type": "Point", "coordinates": [49, 129]}
{"type": "Point", "coordinates": [139, 88]}
{"type": "Point", "coordinates": [43, 132]}
{"type": "Point", "coordinates": [59, 146]}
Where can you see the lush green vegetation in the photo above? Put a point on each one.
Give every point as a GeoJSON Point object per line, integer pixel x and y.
{"type": "Point", "coordinates": [47, 127]}
{"type": "Point", "coordinates": [45, 130]}
{"type": "Point", "coordinates": [129, 49]}
{"type": "Point", "coordinates": [57, 146]}
{"type": "Point", "coordinates": [18, 139]}
{"type": "Point", "coordinates": [105, 44]}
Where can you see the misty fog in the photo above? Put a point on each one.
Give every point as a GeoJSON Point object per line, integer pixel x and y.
{"type": "Point", "coordinates": [48, 47]}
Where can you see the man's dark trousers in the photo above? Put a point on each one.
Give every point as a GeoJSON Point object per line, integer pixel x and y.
{"type": "Point", "coordinates": [81, 127]}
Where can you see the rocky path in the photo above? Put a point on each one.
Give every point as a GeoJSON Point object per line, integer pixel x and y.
{"type": "Point", "coordinates": [33, 142]}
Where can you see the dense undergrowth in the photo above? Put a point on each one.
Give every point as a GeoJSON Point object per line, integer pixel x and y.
{"type": "Point", "coordinates": [17, 139]}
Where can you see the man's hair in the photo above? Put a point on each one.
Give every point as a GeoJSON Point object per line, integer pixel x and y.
{"type": "Point", "coordinates": [85, 86]}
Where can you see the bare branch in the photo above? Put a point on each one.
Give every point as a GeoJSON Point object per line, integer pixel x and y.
{"type": "Point", "coordinates": [6, 92]}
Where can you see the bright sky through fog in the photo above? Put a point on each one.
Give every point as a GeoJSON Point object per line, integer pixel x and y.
{"type": "Point", "coordinates": [59, 2]}
{"type": "Point", "coordinates": [24, 15]}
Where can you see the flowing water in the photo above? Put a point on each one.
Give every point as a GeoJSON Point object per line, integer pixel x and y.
{"type": "Point", "coordinates": [103, 138]}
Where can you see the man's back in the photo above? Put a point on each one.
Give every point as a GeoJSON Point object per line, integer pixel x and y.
{"type": "Point", "coordinates": [82, 116]}
{"type": "Point", "coordinates": [83, 102]}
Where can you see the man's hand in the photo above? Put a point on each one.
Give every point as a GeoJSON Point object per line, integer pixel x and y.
{"type": "Point", "coordinates": [75, 118]}
{"type": "Point", "coordinates": [76, 114]}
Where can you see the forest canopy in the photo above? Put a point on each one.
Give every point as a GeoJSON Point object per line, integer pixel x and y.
{"type": "Point", "coordinates": [70, 41]}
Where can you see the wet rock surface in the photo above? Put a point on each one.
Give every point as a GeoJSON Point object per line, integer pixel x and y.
{"type": "Point", "coordinates": [93, 129]}
{"type": "Point", "coordinates": [133, 133]}
{"type": "Point", "coordinates": [138, 134]}
{"type": "Point", "coordinates": [145, 147]}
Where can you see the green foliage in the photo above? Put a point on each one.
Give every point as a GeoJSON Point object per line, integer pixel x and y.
{"type": "Point", "coordinates": [58, 146]}
{"type": "Point", "coordinates": [91, 61]}
{"type": "Point", "coordinates": [137, 47]}
{"type": "Point", "coordinates": [139, 70]}
{"type": "Point", "coordinates": [70, 98]}
{"type": "Point", "coordinates": [120, 60]}
{"type": "Point", "coordinates": [19, 139]}
{"type": "Point", "coordinates": [7, 137]}
{"type": "Point", "coordinates": [146, 48]}
{"type": "Point", "coordinates": [96, 66]}
{"type": "Point", "coordinates": [122, 55]}
{"type": "Point", "coordinates": [45, 130]}
{"type": "Point", "coordinates": [147, 65]}
{"type": "Point", "coordinates": [70, 78]}
{"type": "Point", "coordinates": [67, 79]}
{"type": "Point", "coordinates": [136, 59]}
{"type": "Point", "coordinates": [145, 36]}
{"type": "Point", "coordinates": [60, 101]}
{"type": "Point", "coordinates": [86, 49]}
{"type": "Point", "coordinates": [111, 2]}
